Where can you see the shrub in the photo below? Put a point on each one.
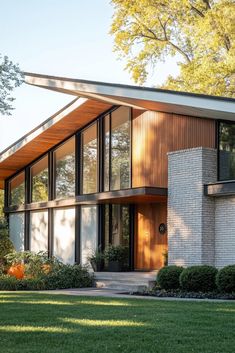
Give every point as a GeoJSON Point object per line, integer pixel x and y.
{"type": "Point", "coordinates": [64, 276]}
{"type": "Point", "coordinates": [6, 245]}
{"type": "Point", "coordinates": [198, 278]}
{"type": "Point", "coordinates": [168, 277]}
{"type": "Point", "coordinates": [225, 279]}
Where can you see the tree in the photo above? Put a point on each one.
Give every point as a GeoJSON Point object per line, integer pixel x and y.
{"type": "Point", "coordinates": [200, 34]}
{"type": "Point", "coordinates": [10, 77]}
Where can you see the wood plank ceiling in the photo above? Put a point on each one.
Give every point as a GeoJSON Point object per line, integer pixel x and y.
{"type": "Point", "coordinates": [50, 135]}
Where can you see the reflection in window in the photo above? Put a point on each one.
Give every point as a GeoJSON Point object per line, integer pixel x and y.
{"type": "Point", "coordinates": [120, 149]}
{"type": "Point", "coordinates": [89, 160]}
{"type": "Point", "coordinates": [117, 228]}
{"type": "Point", "coordinates": [39, 180]}
{"type": "Point", "coordinates": [106, 151]}
{"type": "Point", "coordinates": [17, 190]}
{"type": "Point", "coordinates": [65, 170]}
{"type": "Point", "coordinates": [227, 151]}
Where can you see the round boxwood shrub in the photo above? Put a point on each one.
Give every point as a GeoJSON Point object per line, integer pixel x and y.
{"type": "Point", "coordinates": [168, 277]}
{"type": "Point", "coordinates": [198, 278]}
{"type": "Point", "coordinates": [225, 279]}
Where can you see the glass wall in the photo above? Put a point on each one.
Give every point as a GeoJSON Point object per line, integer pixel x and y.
{"type": "Point", "coordinates": [17, 190]}
{"type": "Point", "coordinates": [88, 240]}
{"type": "Point", "coordinates": [117, 149]}
{"type": "Point", "coordinates": [38, 231]}
{"type": "Point", "coordinates": [39, 180]}
{"type": "Point", "coordinates": [64, 234]}
{"type": "Point", "coordinates": [226, 151]}
{"type": "Point", "coordinates": [64, 166]}
{"type": "Point", "coordinates": [106, 151]}
{"type": "Point", "coordinates": [16, 230]}
{"type": "Point", "coordinates": [90, 160]}
{"type": "Point", "coordinates": [117, 227]}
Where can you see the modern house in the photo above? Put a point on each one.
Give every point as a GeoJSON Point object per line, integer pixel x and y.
{"type": "Point", "coordinates": [145, 168]}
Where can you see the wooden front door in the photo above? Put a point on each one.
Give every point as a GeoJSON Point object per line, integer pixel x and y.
{"type": "Point", "coordinates": [150, 244]}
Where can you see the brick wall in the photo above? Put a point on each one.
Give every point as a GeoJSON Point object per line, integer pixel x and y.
{"type": "Point", "coordinates": [191, 215]}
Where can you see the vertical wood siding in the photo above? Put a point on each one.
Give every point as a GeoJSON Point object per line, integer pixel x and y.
{"type": "Point", "coordinates": [155, 134]}
{"type": "Point", "coordinates": [149, 243]}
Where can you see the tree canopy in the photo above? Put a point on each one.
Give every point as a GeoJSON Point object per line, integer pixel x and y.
{"type": "Point", "coordinates": [10, 77]}
{"type": "Point", "coordinates": [200, 34]}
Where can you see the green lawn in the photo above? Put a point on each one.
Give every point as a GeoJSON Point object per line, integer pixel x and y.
{"type": "Point", "coordinates": [45, 323]}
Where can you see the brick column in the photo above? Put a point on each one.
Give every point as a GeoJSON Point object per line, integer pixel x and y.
{"type": "Point", "coordinates": [191, 215]}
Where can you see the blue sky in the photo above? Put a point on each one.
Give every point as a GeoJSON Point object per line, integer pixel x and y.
{"type": "Point", "coordinates": [64, 38]}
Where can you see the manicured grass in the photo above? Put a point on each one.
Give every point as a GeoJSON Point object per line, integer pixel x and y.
{"type": "Point", "coordinates": [38, 323]}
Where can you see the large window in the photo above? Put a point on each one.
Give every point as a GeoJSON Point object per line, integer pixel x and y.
{"type": "Point", "coordinates": [117, 228]}
{"type": "Point", "coordinates": [16, 230]}
{"type": "Point", "coordinates": [64, 234]}
{"type": "Point", "coordinates": [38, 231]}
{"type": "Point", "coordinates": [65, 170]}
{"type": "Point", "coordinates": [117, 154]}
{"type": "Point", "coordinates": [39, 180]}
{"type": "Point", "coordinates": [88, 231]}
{"type": "Point", "coordinates": [89, 160]}
{"type": "Point", "coordinates": [226, 151]}
{"type": "Point", "coordinates": [17, 190]}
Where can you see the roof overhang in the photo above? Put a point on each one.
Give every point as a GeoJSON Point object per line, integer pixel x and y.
{"type": "Point", "coordinates": [140, 97]}
{"type": "Point", "coordinates": [61, 125]}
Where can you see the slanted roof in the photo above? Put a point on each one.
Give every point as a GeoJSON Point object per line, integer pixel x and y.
{"type": "Point", "coordinates": [142, 97]}
{"type": "Point", "coordinates": [94, 98]}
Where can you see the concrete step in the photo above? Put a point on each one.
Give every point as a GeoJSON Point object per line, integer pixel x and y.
{"type": "Point", "coordinates": [125, 281]}
{"type": "Point", "coordinates": [123, 286]}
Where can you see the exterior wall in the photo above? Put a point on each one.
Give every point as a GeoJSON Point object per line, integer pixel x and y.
{"type": "Point", "coordinates": [150, 245]}
{"type": "Point", "coordinates": [191, 217]}
{"type": "Point", "coordinates": [154, 134]}
{"type": "Point", "coordinates": [224, 231]}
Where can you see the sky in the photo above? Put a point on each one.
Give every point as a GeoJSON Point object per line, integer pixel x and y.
{"type": "Point", "coordinates": [62, 38]}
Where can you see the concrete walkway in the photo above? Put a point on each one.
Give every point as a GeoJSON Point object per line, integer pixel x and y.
{"type": "Point", "coordinates": [110, 293]}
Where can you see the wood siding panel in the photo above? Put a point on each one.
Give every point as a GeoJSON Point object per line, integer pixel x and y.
{"type": "Point", "coordinates": [149, 243]}
{"type": "Point", "coordinates": [154, 134]}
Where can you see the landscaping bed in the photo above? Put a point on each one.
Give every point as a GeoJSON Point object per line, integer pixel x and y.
{"type": "Point", "coordinates": [197, 282]}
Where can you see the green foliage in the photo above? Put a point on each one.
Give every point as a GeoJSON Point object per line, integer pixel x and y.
{"type": "Point", "coordinates": [97, 256]}
{"type": "Point", "coordinates": [225, 279]}
{"type": "Point", "coordinates": [1, 203]}
{"type": "Point", "coordinates": [10, 77]}
{"type": "Point", "coordinates": [200, 34]}
{"type": "Point", "coordinates": [168, 277]}
{"type": "Point", "coordinates": [42, 272]}
{"type": "Point", "coordinates": [6, 245]}
{"type": "Point", "coordinates": [116, 253]}
{"type": "Point", "coordinates": [198, 278]}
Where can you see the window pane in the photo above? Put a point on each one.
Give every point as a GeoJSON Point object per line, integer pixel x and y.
{"type": "Point", "coordinates": [65, 170]}
{"type": "Point", "coordinates": [88, 232]}
{"type": "Point", "coordinates": [106, 151]}
{"type": "Point", "coordinates": [120, 149]}
{"type": "Point", "coordinates": [89, 159]}
{"type": "Point", "coordinates": [16, 230]}
{"type": "Point", "coordinates": [64, 235]}
{"type": "Point", "coordinates": [227, 152]}
{"type": "Point", "coordinates": [38, 231]}
{"type": "Point", "coordinates": [17, 190]}
{"type": "Point", "coordinates": [39, 180]}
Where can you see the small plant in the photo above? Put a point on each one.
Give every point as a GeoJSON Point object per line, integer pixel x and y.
{"type": "Point", "coordinates": [168, 277]}
{"type": "Point", "coordinates": [116, 257]}
{"type": "Point", "coordinates": [198, 278]}
{"type": "Point", "coordinates": [225, 279]}
{"type": "Point", "coordinates": [96, 260]}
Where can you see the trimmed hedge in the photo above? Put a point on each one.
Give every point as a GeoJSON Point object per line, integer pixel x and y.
{"type": "Point", "coordinates": [168, 277]}
{"type": "Point", "coordinates": [65, 276]}
{"type": "Point", "coordinates": [225, 279]}
{"type": "Point", "coordinates": [198, 278]}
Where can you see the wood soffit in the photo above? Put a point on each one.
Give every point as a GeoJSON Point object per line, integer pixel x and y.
{"type": "Point", "coordinates": [61, 125]}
